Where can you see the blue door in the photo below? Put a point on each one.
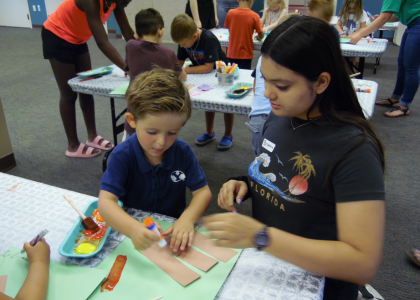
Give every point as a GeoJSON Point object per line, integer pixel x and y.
{"type": "Point", "coordinates": [38, 11]}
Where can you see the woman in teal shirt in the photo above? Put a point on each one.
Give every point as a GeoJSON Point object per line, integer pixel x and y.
{"type": "Point", "coordinates": [408, 78]}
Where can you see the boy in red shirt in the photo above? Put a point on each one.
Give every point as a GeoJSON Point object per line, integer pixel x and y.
{"type": "Point", "coordinates": [241, 22]}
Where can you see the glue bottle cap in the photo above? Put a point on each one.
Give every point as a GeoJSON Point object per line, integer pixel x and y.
{"type": "Point", "coordinates": [149, 222]}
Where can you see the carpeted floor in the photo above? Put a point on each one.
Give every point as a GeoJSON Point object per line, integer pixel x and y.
{"type": "Point", "coordinates": [30, 98]}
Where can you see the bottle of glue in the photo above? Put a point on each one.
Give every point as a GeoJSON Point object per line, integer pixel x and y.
{"type": "Point", "coordinates": [152, 226]}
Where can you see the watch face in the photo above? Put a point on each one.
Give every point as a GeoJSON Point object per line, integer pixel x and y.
{"type": "Point", "coordinates": [261, 239]}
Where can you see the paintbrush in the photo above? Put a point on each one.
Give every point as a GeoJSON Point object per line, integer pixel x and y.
{"type": "Point", "coordinates": [239, 91]}
{"type": "Point", "coordinates": [88, 222]}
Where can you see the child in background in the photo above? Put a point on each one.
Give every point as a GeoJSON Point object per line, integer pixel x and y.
{"type": "Point", "coordinates": [152, 169]}
{"type": "Point", "coordinates": [272, 14]}
{"type": "Point", "coordinates": [323, 10]}
{"type": "Point", "coordinates": [351, 18]}
{"type": "Point", "coordinates": [146, 51]}
{"type": "Point", "coordinates": [36, 282]}
{"type": "Point", "coordinates": [242, 22]}
{"type": "Point", "coordinates": [203, 49]}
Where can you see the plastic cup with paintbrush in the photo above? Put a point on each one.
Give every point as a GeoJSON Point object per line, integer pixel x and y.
{"type": "Point", "coordinates": [88, 222]}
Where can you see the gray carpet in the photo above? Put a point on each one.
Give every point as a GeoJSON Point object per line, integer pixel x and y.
{"type": "Point", "coordinates": [30, 99]}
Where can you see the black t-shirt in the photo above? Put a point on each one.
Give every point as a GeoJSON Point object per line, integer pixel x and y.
{"type": "Point", "coordinates": [287, 180]}
{"type": "Point", "coordinates": [206, 50]}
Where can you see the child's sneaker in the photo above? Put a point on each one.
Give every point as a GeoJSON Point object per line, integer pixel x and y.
{"type": "Point", "coordinates": [205, 139]}
{"type": "Point", "coordinates": [225, 143]}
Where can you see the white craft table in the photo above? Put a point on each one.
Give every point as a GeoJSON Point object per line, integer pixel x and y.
{"type": "Point", "coordinates": [213, 100]}
{"type": "Point", "coordinates": [362, 49]}
{"type": "Point", "coordinates": [35, 206]}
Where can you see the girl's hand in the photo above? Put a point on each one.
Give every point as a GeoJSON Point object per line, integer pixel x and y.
{"type": "Point", "coordinates": [182, 234]}
{"type": "Point", "coordinates": [38, 253]}
{"type": "Point", "coordinates": [142, 237]}
{"type": "Point", "coordinates": [265, 29]}
{"type": "Point", "coordinates": [233, 230]}
{"type": "Point", "coordinates": [230, 191]}
{"type": "Point", "coordinates": [343, 35]}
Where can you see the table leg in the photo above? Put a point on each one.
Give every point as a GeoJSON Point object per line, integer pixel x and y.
{"type": "Point", "coordinates": [361, 67]}
{"type": "Point", "coordinates": [116, 129]}
{"type": "Point", "coordinates": [381, 33]}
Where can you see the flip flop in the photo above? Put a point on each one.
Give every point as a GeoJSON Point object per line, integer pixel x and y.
{"type": "Point", "coordinates": [102, 145]}
{"type": "Point", "coordinates": [390, 104]}
{"type": "Point", "coordinates": [412, 257]}
{"type": "Point", "coordinates": [79, 153]}
{"type": "Point", "coordinates": [406, 113]}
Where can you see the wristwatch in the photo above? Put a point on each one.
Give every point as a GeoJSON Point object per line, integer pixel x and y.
{"type": "Point", "coordinates": [261, 239]}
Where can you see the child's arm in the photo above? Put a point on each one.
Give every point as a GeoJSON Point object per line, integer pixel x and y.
{"type": "Point", "coordinates": [118, 219]}
{"type": "Point", "coordinates": [183, 76]}
{"type": "Point", "coordinates": [264, 16]}
{"type": "Point", "coordinates": [194, 12]}
{"type": "Point", "coordinates": [274, 25]}
{"type": "Point", "coordinates": [36, 282]}
{"type": "Point", "coordinates": [260, 35]}
{"type": "Point", "coordinates": [203, 69]}
{"type": "Point", "coordinates": [339, 29]}
{"type": "Point", "coordinates": [215, 13]}
{"type": "Point", "coordinates": [183, 229]}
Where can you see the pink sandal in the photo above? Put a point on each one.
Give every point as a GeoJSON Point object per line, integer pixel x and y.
{"type": "Point", "coordinates": [79, 153]}
{"type": "Point", "coordinates": [102, 145]}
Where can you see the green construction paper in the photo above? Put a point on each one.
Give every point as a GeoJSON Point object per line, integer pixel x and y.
{"type": "Point", "coordinates": [65, 281]}
{"type": "Point", "coordinates": [345, 40]}
{"type": "Point", "coordinates": [389, 23]}
{"type": "Point", "coordinates": [143, 280]}
{"type": "Point", "coordinates": [121, 89]}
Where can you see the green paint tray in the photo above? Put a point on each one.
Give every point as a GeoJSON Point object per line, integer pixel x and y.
{"type": "Point", "coordinates": [240, 85]}
{"type": "Point", "coordinates": [97, 71]}
{"type": "Point", "coordinates": [345, 40]}
{"type": "Point", "coordinates": [67, 246]}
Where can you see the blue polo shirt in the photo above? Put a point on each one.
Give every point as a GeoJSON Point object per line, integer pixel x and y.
{"type": "Point", "coordinates": [139, 184]}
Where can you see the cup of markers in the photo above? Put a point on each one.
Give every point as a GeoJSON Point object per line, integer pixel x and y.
{"type": "Point", "coordinates": [225, 73]}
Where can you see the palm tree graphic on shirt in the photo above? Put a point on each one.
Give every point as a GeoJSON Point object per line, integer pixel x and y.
{"type": "Point", "coordinates": [299, 184]}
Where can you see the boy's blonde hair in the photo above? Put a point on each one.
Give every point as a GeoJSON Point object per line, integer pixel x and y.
{"type": "Point", "coordinates": [326, 7]}
{"type": "Point", "coordinates": [280, 2]}
{"type": "Point", "coordinates": [183, 27]}
{"type": "Point", "coordinates": [158, 91]}
{"type": "Point", "coordinates": [344, 12]}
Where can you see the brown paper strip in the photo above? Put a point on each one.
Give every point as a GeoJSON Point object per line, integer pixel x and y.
{"type": "Point", "coordinates": [170, 265]}
{"type": "Point", "coordinates": [195, 258]}
{"type": "Point", "coordinates": [3, 281]}
{"type": "Point", "coordinates": [206, 244]}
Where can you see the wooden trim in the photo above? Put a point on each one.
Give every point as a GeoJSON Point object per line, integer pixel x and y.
{"type": "Point", "coordinates": [36, 26]}
{"type": "Point", "coordinates": [8, 162]}
{"type": "Point", "coordinates": [113, 31]}
{"type": "Point", "coordinates": [119, 36]}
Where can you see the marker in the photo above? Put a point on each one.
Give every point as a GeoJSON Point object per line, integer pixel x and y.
{"type": "Point", "coordinates": [362, 90]}
{"type": "Point", "coordinates": [152, 226]}
{"type": "Point", "coordinates": [36, 239]}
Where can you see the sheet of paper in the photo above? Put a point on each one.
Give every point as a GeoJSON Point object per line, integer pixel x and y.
{"type": "Point", "coordinates": [194, 258]}
{"type": "Point", "coordinates": [206, 244]}
{"type": "Point", "coordinates": [170, 265]}
{"type": "Point", "coordinates": [65, 281]}
{"type": "Point", "coordinates": [3, 281]}
{"type": "Point", "coordinates": [143, 280]}
{"type": "Point", "coordinates": [121, 90]}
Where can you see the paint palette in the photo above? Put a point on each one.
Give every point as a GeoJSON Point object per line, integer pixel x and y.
{"type": "Point", "coordinates": [237, 86]}
{"type": "Point", "coordinates": [72, 239]}
{"type": "Point", "coordinates": [97, 71]}
{"type": "Point", "coordinates": [345, 40]}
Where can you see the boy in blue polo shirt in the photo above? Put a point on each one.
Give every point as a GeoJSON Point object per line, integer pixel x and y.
{"type": "Point", "coordinates": [153, 168]}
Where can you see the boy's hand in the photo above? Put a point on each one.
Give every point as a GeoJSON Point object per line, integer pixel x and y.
{"type": "Point", "coordinates": [182, 233]}
{"type": "Point", "coordinates": [38, 253]}
{"type": "Point", "coordinates": [142, 237]}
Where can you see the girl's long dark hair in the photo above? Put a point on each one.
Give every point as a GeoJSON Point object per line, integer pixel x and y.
{"type": "Point", "coordinates": [309, 47]}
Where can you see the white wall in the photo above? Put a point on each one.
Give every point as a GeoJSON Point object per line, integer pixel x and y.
{"type": "Point", "coordinates": [52, 5]}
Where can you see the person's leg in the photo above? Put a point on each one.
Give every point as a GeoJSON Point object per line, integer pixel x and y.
{"type": "Point", "coordinates": [209, 121]}
{"type": "Point", "coordinates": [64, 72]}
{"type": "Point", "coordinates": [399, 84]}
{"type": "Point", "coordinates": [411, 65]}
{"type": "Point", "coordinates": [222, 10]}
{"type": "Point", "coordinates": [87, 103]}
{"type": "Point", "coordinates": [255, 125]}
{"type": "Point", "coordinates": [229, 118]}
